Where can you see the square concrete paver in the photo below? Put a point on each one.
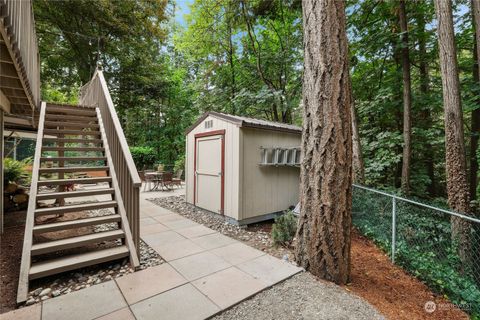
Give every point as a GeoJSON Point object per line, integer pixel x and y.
{"type": "Point", "coordinates": [90, 303]}
{"type": "Point", "coordinates": [122, 314]}
{"type": "Point", "coordinates": [185, 303]}
{"type": "Point", "coordinates": [146, 221]}
{"type": "Point", "coordinates": [153, 210]}
{"type": "Point", "coordinates": [28, 313]}
{"type": "Point", "coordinates": [177, 250]}
{"type": "Point", "coordinates": [169, 217]}
{"type": "Point", "coordinates": [236, 253]}
{"type": "Point", "coordinates": [152, 228]}
{"type": "Point", "coordinates": [180, 224]}
{"type": "Point", "coordinates": [161, 238]}
{"type": "Point", "coordinates": [269, 269]}
{"type": "Point", "coordinates": [213, 241]}
{"type": "Point", "coordinates": [228, 287]}
{"type": "Point", "coordinates": [149, 282]}
{"type": "Point", "coordinates": [195, 231]}
{"type": "Point", "coordinates": [199, 265]}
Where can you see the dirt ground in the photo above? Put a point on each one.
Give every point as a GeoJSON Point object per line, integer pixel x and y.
{"type": "Point", "coordinates": [10, 256]}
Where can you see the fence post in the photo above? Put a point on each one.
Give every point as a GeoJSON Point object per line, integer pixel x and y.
{"type": "Point", "coordinates": [394, 226]}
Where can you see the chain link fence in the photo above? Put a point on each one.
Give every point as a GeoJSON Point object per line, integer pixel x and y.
{"type": "Point", "coordinates": [418, 237]}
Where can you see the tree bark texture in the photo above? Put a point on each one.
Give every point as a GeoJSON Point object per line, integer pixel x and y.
{"type": "Point", "coordinates": [407, 99]}
{"type": "Point", "coordinates": [475, 120]}
{"type": "Point", "coordinates": [323, 234]}
{"type": "Point", "coordinates": [455, 162]}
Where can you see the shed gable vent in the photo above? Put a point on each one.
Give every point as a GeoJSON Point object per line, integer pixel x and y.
{"type": "Point", "coordinates": [208, 124]}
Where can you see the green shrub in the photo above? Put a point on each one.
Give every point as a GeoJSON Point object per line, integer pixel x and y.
{"type": "Point", "coordinates": [144, 157]}
{"type": "Point", "coordinates": [15, 171]}
{"type": "Point", "coordinates": [284, 229]}
{"type": "Point", "coordinates": [180, 163]}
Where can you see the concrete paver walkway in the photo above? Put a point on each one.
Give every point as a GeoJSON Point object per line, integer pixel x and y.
{"type": "Point", "coordinates": [205, 272]}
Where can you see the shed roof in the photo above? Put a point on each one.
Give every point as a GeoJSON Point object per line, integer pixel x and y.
{"type": "Point", "coordinates": [248, 122]}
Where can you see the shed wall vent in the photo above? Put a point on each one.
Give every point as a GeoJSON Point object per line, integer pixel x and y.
{"type": "Point", "coordinates": [208, 124]}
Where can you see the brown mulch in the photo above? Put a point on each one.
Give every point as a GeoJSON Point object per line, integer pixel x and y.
{"type": "Point", "coordinates": [10, 256]}
{"type": "Point", "coordinates": [389, 288]}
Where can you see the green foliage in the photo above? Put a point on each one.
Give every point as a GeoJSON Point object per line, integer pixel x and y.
{"type": "Point", "coordinates": [144, 157]}
{"type": "Point", "coordinates": [180, 163]}
{"type": "Point", "coordinates": [284, 229]}
{"type": "Point", "coordinates": [15, 171]}
{"type": "Point", "coordinates": [251, 63]}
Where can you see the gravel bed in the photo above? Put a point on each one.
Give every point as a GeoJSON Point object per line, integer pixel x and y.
{"type": "Point", "coordinates": [302, 297]}
{"type": "Point", "coordinates": [252, 235]}
{"type": "Point", "coordinates": [54, 286]}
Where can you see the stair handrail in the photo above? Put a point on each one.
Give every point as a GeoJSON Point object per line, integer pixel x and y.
{"type": "Point", "coordinates": [125, 225]}
{"type": "Point", "coordinates": [96, 93]}
{"type": "Point", "coordinates": [22, 292]}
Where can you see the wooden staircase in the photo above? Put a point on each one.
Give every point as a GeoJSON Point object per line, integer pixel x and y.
{"type": "Point", "coordinates": [64, 130]}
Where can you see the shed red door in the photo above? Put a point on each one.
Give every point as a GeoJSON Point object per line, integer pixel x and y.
{"type": "Point", "coordinates": [209, 167]}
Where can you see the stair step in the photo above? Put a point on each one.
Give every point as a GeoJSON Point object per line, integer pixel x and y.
{"type": "Point", "coordinates": [64, 117]}
{"type": "Point", "coordinates": [63, 124]}
{"type": "Point", "coordinates": [66, 149]}
{"type": "Point", "coordinates": [56, 159]}
{"type": "Point", "coordinates": [72, 169]}
{"type": "Point", "coordinates": [74, 194]}
{"type": "Point", "coordinates": [74, 224]}
{"type": "Point", "coordinates": [75, 208]}
{"type": "Point", "coordinates": [74, 242]}
{"type": "Point", "coordinates": [72, 140]}
{"type": "Point", "coordinates": [71, 132]}
{"type": "Point", "coordinates": [49, 267]}
{"type": "Point", "coordinates": [71, 110]}
{"type": "Point", "coordinates": [60, 182]}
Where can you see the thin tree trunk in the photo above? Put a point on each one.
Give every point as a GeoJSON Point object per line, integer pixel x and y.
{"type": "Point", "coordinates": [231, 53]}
{"type": "Point", "coordinates": [323, 235]}
{"type": "Point", "coordinates": [357, 157]}
{"type": "Point", "coordinates": [424, 89]}
{"type": "Point", "coordinates": [475, 132]}
{"type": "Point", "coordinates": [457, 185]}
{"type": "Point", "coordinates": [407, 99]}
{"type": "Point", "coordinates": [475, 120]}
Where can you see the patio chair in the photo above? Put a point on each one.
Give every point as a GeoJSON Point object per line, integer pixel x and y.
{"type": "Point", "coordinates": [167, 180]}
{"type": "Point", "coordinates": [148, 179]}
{"type": "Point", "coordinates": [177, 180]}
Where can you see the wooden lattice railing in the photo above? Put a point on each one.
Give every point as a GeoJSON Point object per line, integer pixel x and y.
{"type": "Point", "coordinates": [95, 93]}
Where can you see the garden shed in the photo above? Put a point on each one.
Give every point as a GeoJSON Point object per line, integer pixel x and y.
{"type": "Point", "coordinates": [245, 169]}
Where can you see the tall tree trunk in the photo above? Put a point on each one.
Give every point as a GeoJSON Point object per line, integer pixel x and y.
{"type": "Point", "coordinates": [475, 132]}
{"type": "Point", "coordinates": [231, 53]}
{"type": "Point", "coordinates": [357, 157]}
{"type": "Point", "coordinates": [475, 120]}
{"type": "Point", "coordinates": [425, 90]}
{"type": "Point", "coordinates": [407, 99]}
{"type": "Point", "coordinates": [457, 185]}
{"type": "Point", "coordinates": [323, 235]}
